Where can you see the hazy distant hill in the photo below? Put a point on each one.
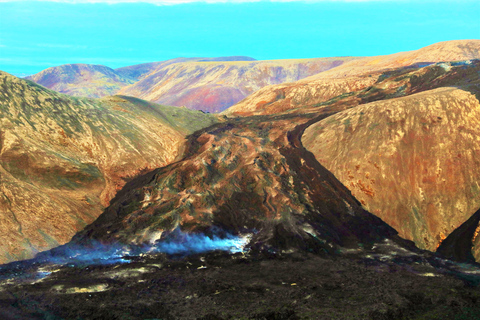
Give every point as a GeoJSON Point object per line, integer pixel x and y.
{"type": "Point", "coordinates": [95, 81]}
{"type": "Point", "coordinates": [214, 86]}
{"type": "Point", "coordinates": [82, 80]}
{"type": "Point", "coordinates": [209, 84]}
{"type": "Point", "coordinates": [139, 71]}
{"type": "Point", "coordinates": [62, 159]}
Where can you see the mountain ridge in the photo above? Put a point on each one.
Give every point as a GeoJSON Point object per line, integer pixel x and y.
{"type": "Point", "coordinates": [350, 76]}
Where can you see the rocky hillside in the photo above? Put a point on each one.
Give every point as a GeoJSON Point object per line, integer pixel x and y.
{"type": "Point", "coordinates": [215, 86]}
{"type": "Point", "coordinates": [349, 77]}
{"type": "Point", "coordinates": [410, 160]}
{"type": "Point", "coordinates": [252, 173]}
{"type": "Point", "coordinates": [82, 80]}
{"type": "Point", "coordinates": [62, 159]}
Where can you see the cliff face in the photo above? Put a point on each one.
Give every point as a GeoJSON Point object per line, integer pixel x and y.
{"type": "Point", "coordinates": [214, 86]}
{"type": "Point", "coordinates": [82, 80]}
{"type": "Point", "coordinates": [62, 159]}
{"type": "Point", "coordinates": [348, 77]}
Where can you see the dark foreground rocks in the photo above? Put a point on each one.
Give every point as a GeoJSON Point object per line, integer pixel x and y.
{"type": "Point", "coordinates": [359, 284]}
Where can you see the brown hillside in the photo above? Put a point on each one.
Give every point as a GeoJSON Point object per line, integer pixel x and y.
{"type": "Point", "coordinates": [62, 159]}
{"type": "Point", "coordinates": [412, 161]}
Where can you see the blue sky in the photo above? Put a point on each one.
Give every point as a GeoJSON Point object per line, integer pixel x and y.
{"type": "Point", "coordinates": [35, 35]}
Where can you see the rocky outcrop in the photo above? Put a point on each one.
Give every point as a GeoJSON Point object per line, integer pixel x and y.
{"type": "Point", "coordinates": [62, 159]}
{"type": "Point", "coordinates": [214, 86]}
{"type": "Point", "coordinates": [348, 77]}
{"type": "Point", "coordinates": [82, 80]}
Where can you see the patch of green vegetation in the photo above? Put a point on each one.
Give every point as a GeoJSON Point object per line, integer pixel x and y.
{"type": "Point", "coordinates": [335, 99]}
{"type": "Point", "coordinates": [373, 126]}
{"type": "Point", "coordinates": [474, 189]}
{"type": "Point", "coordinates": [182, 119]}
{"type": "Point", "coordinates": [347, 123]}
{"type": "Point", "coordinates": [48, 239]}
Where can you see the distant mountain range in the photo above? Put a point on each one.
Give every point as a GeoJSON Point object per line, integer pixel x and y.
{"type": "Point", "coordinates": [350, 76]}
{"type": "Point", "coordinates": [82, 80]}
{"type": "Point", "coordinates": [208, 84]}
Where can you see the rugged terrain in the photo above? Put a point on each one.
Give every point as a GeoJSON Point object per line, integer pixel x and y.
{"type": "Point", "coordinates": [428, 137]}
{"type": "Point", "coordinates": [62, 159]}
{"type": "Point", "coordinates": [251, 181]}
{"type": "Point", "coordinates": [384, 283]}
{"type": "Point", "coordinates": [412, 161]}
{"type": "Point", "coordinates": [248, 223]}
{"type": "Point", "coordinates": [252, 173]}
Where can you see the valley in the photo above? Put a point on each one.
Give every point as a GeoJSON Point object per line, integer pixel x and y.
{"type": "Point", "coordinates": [360, 179]}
